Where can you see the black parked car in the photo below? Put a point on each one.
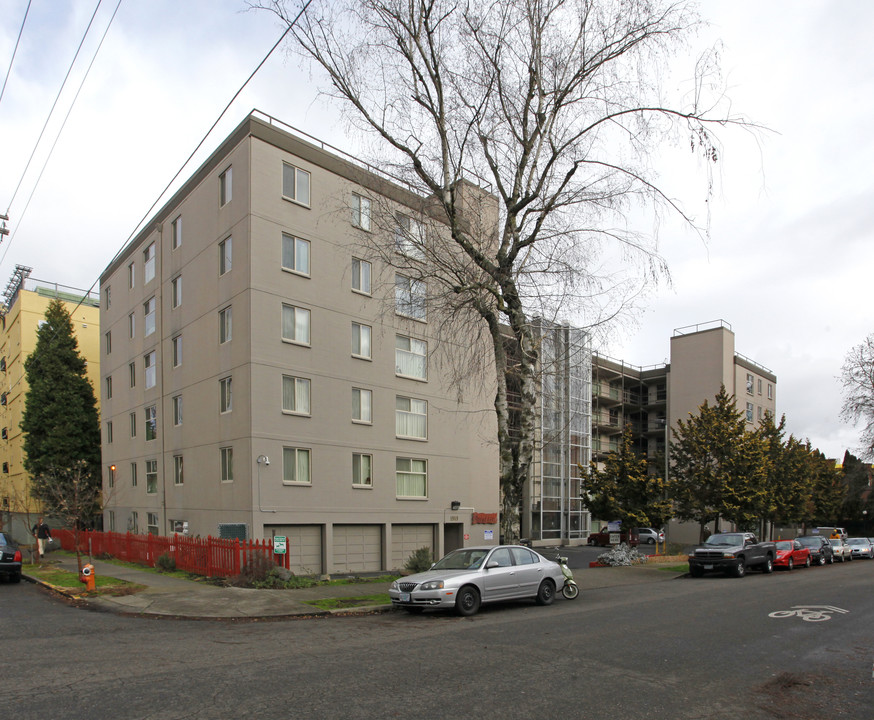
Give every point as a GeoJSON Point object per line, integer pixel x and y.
{"type": "Point", "coordinates": [821, 551]}
{"type": "Point", "coordinates": [10, 558]}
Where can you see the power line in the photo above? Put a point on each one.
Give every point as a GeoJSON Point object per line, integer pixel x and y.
{"type": "Point", "coordinates": [15, 50]}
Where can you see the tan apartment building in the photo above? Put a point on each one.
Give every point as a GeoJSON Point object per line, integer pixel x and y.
{"type": "Point", "coordinates": [264, 376]}
{"type": "Point", "coordinates": [22, 311]}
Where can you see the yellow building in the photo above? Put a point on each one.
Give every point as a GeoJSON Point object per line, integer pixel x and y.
{"type": "Point", "coordinates": [22, 309]}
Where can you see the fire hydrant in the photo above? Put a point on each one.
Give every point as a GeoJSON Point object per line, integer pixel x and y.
{"type": "Point", "coordinates": [87, 576]}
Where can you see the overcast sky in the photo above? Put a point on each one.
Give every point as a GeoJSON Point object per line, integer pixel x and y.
{"type": "Point", "coordinates": [788, 264]}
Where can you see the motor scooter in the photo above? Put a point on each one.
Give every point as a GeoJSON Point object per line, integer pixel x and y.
{"type": "Point", "coordinates": [570, 589]}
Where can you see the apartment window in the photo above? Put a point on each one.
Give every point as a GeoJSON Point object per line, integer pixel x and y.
{"type": "Point", "coordinates": [411, 478]}
{"type": "Point", "coordinates": [226, 325]}
{"type": "Point", "coordinates": [177, 410]}
{"type": "Point", "coordinates": [108, 338]}
{"type": "Point", "coordinates": [360, 211]}
{"type": "Point", "coordinates": [149, 314]}
{"type": "Point", "coordinates": [295, 324]}
{"type": "Point", "coordinates": [108, 383]}
{"type": "Point", "coordinates": [411, 357]}
{"type": "Point", "coordinates": [133, 474]}
{"type": "Point", "coordinates": [410, 237]}
{"type": "Point", "coordinates": [176, 347]}
{"type": "Point", "coordinates": [132, 369]}
{"type": "Point", "coordinates": [226, 186]}
{"type": "Point", "coordinates": [107, 296]}
{"type": "Point", "coordinates": [770, 391]}
{"type": "Point", "coordinates": [759, 413]}
{"type": "Point", "coordinates": [411, 418]}
{"type": "Point", "coordinates": [178, 477]}
{"type": "Point", "coordinates": [295, 395]}
{"type": "Point", "coordinates": [133, 424]}
{"type": "Point", "coordinates": [108, 432]}
{"type": "Point", "coordinates": [361, 271]}
{"type": "Point", "coordinates": [110, 475]}
{"type": "Point", "coordinates": [295, 254]}
{"type": "Point", "coordinates": [152, 523]}
{"type": "Point", "coordinates": [176, 291]}
{"type": "Point", "coordinates": [760, 386]}
{"type": "Point", "coordinates": [111, 520]}
{"type": "Point", "coordinates": [295, 184]}
{"type": "Point", "coordinates": [150, 369]}
{"type": "Point", "coordinates": [133, 523]}
{"type": "Point", "coordinates": [131, 275]}
{"type": "Point", "coordinates": [362, 405]}
{"type": "Point", "coordinates": [227, 459]}
{"type": "Point", "coordinates": [226, 401]}
{"type": "Point", "coordinates": [226, 255]}
{"type": "Point", "coordinates": [749, 412]}
{"type": "Point", "coordinates": [149, 263]}
{"type": "Point", "coordinates": [296, 466]}
{"type": "Point", "coordinates": [361, 340]}
{"type": "Point", "coordinates": [132, 325]}
{"type": "Point", "coordinates": [750, 384]}
{"type": "Point", "coordinates": [176, 233]}
{"type": "Point", "coordinates": [151, 414]}
{"type": "Point", "coordinates": [362, 465]}
{"type": "Point", "coordinates": [410, 297]}
{"type": "Point", "coordinates": [151, 476]}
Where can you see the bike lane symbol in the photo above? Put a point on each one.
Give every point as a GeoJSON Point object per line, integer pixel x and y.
{"type": "Point", "coordinates": [809, 613]}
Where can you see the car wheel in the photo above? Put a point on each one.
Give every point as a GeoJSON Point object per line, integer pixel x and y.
{"type": "Point", "coordinates": [821, 560]}
{"type": "Point", "coordinates": [467, 601]}
{"type": "Point", "coordinates": [650, 541]}
{"type": "Point", "coordinates": [807, 562]}
{"type": "Point", "coordinates": [739, 570]}
{"type": "Point", "coordinates": [790, 564]}
{"type": "Point", "coordinates": [696, 571]}
{"type": "Point", "coordinates": [831, 559]}
{"type": "Point", "coordinates": [545, 593]}
{"type": "Point", "coordinates": [768, 566]}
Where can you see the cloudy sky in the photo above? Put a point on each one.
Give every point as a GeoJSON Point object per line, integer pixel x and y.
{"type": "Point", "coordinates": [791, 252]}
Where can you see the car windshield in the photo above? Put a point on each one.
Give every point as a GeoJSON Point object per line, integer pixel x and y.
{"type": "Point", "coordinates": [469, 559]}
{"type": "Point", "coordinates": [784, 545]}
{"type": "Point", "coordinates": [810, 542]}
{"type": "Point", "coordinates": [857, 541]}
{"type": "Point", "coordinates": [835, 541]}
{"type": "Point", "coordinates": [725, 539]}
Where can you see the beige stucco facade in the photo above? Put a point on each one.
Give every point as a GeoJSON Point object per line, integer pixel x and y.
{"type": "Point", "coordinates": [24, 310]}
{"type": "Point", "coordinates": [316, 448]}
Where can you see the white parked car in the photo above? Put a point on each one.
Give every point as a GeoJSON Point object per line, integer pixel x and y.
{"type": "Point", "coordinates": [650, 536]}
{"type": "Point", "coordinates": [841, 549]}
{"type": "Point", "coordinates": [861, 547]}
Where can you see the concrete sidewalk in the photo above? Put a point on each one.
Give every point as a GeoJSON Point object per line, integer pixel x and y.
{"type": "Point", "coordinates": [172, 597]}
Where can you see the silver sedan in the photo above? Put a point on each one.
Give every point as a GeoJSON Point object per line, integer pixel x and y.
{"type": "Point", "coordinates": [468, 577]}
{"type": "Point", "coordinates": [861, 547]}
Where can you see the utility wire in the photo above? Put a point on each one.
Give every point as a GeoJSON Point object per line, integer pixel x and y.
{"type": "Point", "coordinates": [45, 125]}
{"type": "Point", "coordinates": [58, 136]}
{"type": "Point", "coordinates": [15, 50]}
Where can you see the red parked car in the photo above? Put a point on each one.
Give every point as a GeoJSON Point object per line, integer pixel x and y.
{"type": "Point", "coordinates": [791, 553]}
{"type": "Point", "coordinates": [602, 538]}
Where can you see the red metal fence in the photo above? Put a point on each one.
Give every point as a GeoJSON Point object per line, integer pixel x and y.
{"type": "Point", "coordinates": [212, 557]}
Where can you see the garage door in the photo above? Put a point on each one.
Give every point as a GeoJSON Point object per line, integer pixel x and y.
{"type": "Point", "coordinates": [406, 539]}
{"type": "Point", "coordinates": [304, 546]}
{"type": "Point", "coordinates": [357, 548]}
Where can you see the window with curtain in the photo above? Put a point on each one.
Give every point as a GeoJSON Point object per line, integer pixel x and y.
{"type": "Point", "coordinates": [411, 477]}
{"type": "Point", "coordinates": [411, 357]}
{"type": "Point", "coordinates": [296, 465]}
{"type": "Point", "coordinates": [295, 395]}
{"type": "Point", "coordinates": [411, 418]}
{"type": "Point", "coordinates": [295, 324]}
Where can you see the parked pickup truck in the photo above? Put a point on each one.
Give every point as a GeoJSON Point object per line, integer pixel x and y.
{"type": "Point", "coordinates": [602, 538]}
{"type": "Point", "coordinates": [732, 553]}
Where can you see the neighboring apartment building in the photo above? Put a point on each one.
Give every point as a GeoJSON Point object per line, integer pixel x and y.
{"type": "Point", "coordinates": [653, 398]}
{"type": "Point", "coordinates": [263, 376]}
{"type": "Point", "coordinates": [22, 310]}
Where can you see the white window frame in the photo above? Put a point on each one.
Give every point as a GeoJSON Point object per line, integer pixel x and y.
{"type": "Point", "coordinates": [176, 232]}
{"type": "Point", "coordinates": [177, 410]}
{"type": "Point", "coordinates": [749, 412]}
{"type": "Point", "coordinates": [149, 263]}
{"type": "Point", "coordinates": [295, 325]}
{"type": "Point", "coordinates": [410, 237]}
{"type": "Point", "coordinates": [751, 384]}
{"type": "Point", "coordinates": [411, 353]}
{"type": "Point", "coordinates": [226, 394]}
{"type": "Point", "coordinates": [176, 292]}
{"type": "Point", "coordinates": [152, 525]}
{"type": "Point", "coordinates": [132, 369]}
{"type": "Point", "coordinates": [362, 406]}
{"type": "Point", "coordinates": [150, 413]}
{"type": "Point", "coordinates": [300, 395]}
{"type": "Point", "coordinates": [178, 470]}
{"type": "Point", "coordinates": [226, 255]}
{"type": "Point", "coordinates": [226, 455]}
{"type": "Point", "coordinates": [111, 520]}
{"type": "Point", "coordinates": [226, 186]}
{"type": "Point", "coordinates": [362, 470]}
{"type": "Point", "coordinates": [176, 350]}
{"type": "Point", "coordinates": [301, 184]}
{"type": "Point", "coordinates": [132, 325]}
{"type": "Point", "coordinates": [149, 315]}
{"type": "Point", "coordinates": [150, 369]}
{"type": "Point", "coordinates": [297, 461]}
{"type": "Point", "coordinates": [151, 477]}
{"type": "Point", "coordinates": [226, 325]}
{"type": "Point", "coordinates": [406, 474]}
{"type": "Point", "coordinates": [108, 432]}
{"type": "Point", "coordinates": [362, 336]}
{"type": "Point", "coordinates": [410, 298]}
{"type": "Point", "coordinates": [131, 276]}
{"type": "Point", "coordinates": [133, 424]}
{"type": "Point", "coordinates": [133, 474]}
{"type": "Point", "coordinates": [108, 387]}
{"type": "Point", "coordinates": [362, 274]}
{"type": "Point", "coordinates": [107, 296]}
{"type": "Point", "coordinates": [361, 214]}
{"type": "Point", "coordinates": [299, 254]}
{"type": "Point", "coordinates": [770, 391]}
{"type": "Point", "coordinates": [107, 336]}
{"type": "Point", "coordinates": [411, 418]}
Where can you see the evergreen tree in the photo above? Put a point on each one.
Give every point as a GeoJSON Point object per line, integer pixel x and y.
{"type": "Point", "coordinates": [719, 469]}
{"type": "Point", "coordinates": [60, 422]}
{"type": "Point", "coordinates": [829, 490]}
{"type": "Point", "coordinates": [856, 480]}
{"type": "Point", "coordinates": [624, 490]}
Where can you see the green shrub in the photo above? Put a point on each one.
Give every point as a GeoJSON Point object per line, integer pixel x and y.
{"type": "Point", "coordinates": [420, 560]}
{"type": "Point", "coordinates": [165, 563]}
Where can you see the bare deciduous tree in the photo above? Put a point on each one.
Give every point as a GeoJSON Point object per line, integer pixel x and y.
{"type": "Point", "coordinates": [857, 377]}
{"type": "Point", "coordinates": [527, 127]}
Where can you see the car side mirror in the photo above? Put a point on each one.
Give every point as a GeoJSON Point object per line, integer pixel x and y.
{"type": "Point", "coordinates": [493, 564]}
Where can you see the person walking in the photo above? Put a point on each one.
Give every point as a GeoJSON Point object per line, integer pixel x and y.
{"type": "Point", "coordinates": [43, 535]}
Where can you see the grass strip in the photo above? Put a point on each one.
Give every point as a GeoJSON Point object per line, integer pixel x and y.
{"type": "Point", "coordinates": [340, 603]}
